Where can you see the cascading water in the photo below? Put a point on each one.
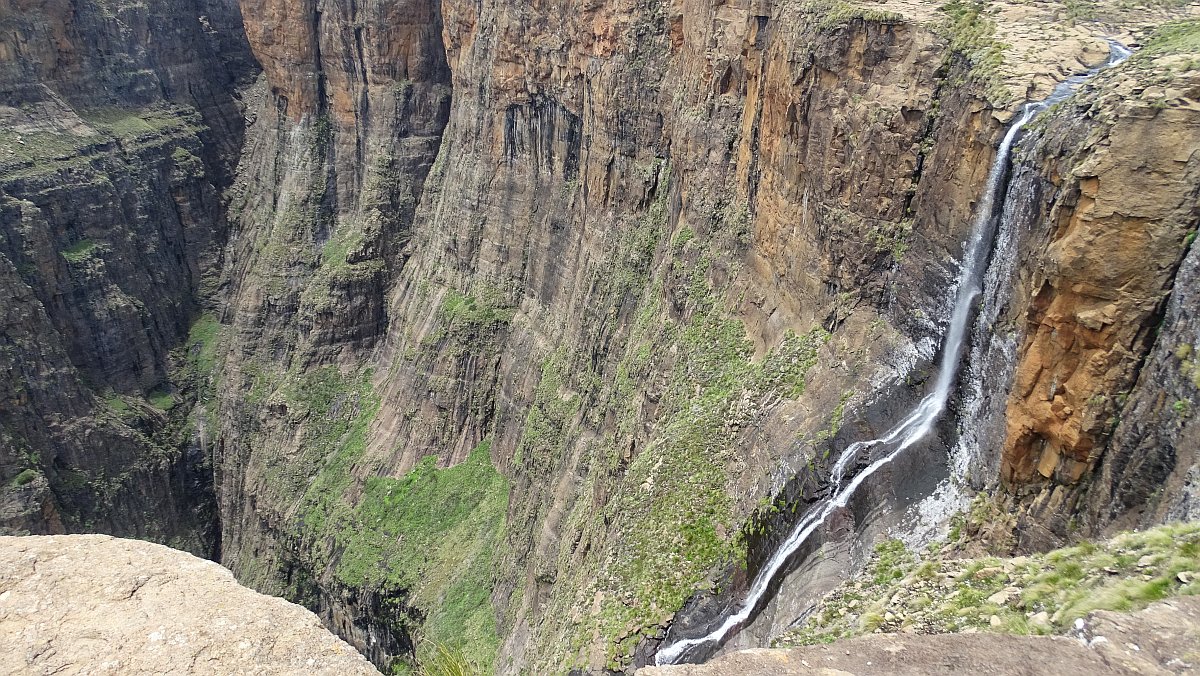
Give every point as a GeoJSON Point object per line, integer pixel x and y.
{"type": "Point", "coordinates": [921, 420]}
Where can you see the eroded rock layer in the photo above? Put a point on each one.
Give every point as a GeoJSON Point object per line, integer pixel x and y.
{"type": "Point", "coordinates": [513, 328]}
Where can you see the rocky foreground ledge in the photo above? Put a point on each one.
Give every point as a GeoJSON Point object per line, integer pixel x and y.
{"type": "Point", "coordinates": [96, 604]}
{"type": "Point", "coordinates": [1161, 639]}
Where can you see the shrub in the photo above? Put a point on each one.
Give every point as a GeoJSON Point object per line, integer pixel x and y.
{"type": "Point", "coordinates": [26, 477]}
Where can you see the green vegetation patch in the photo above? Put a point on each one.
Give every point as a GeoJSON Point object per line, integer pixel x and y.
{"type": "Point", "coordinates": [162, 399]}
{"type": "Point", "coordinates": [200, 355]}
{"type": "Point", "coordinates": [640, 241]}
{"type": "Point", "coordinates": [426, 540]}
{"type": "Point", "coordinates": [26, 477]}
{"type": "Point", "coordinates": [80, 251]}
{"type": "Point", "coordinates": [1041, 594]}
{"type": "Point", "coordinates": [187, 162]}
{"type": "Point", "coordinates": [203, 343]}
{"type": "Point", "coordinates": [336, 252]}
{"type": "Point", "coordinates": [686, 510]}
{"type": "Point", "coordinates": [972, 36]}
{"type": "Point", "coordinates": [835, 14]}
{"type": "Point", "coordinates": [336, 272]}
{"type": "Point", "coordinates": [434, 532]}
{"type": "Point", "coordinates": [1175, 37]}
{"type": "Point", "coordinates": [444, 661]}
{"type": "Point", "coordinates": [549, 419]}
{"type": "Point", "coordinates": [892, 237]}
{"type": "Point", "coordinates": [681, 240]}
{"type": "Point", "coordinates": [24, 154]}
{"type": "Point", "coordinates": [112, 130]}
{"type": "Point", "coordinates": [117, 404]}
{"type": "Point", "coordinates": [488, 308]}
{"type": "Point", "coordinates": [339, 409]}
{"type": "Point", "coordinates": [673, 507]}
{"type": "Point", "coordinates": [331, 412]}
{"type": "Point", "coordinates": [1189, 362]}
{"type": "Point", "coordinates": [132, 123]}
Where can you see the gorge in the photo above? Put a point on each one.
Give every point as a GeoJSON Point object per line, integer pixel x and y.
{"type": "Point", "coordinates": [545, 331]}
{"type": "Point", "coordinates": [917, 424]}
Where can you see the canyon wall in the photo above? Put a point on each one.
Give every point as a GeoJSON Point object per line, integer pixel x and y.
{"type": "Point", "coordinates": [513, 328]}
{"type": "Point", "coordinates": [652, 262]}
{"type": "Point", "coordinates": [576, 293]}
{"type": "Point", "coordinates": [119, 125]}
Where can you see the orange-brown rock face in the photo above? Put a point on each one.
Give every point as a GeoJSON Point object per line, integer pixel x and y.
{"type": "Point", "coordinates": [315, 52]}
{"type": "Point", "coordinates": [1096, 292]}
{"type": "Point", "coordinates": [283, 36]}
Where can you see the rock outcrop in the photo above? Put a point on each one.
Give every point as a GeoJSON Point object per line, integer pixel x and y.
{"type": "Point", "coordinates": [93, 604]}
{"type": "Point", "coordinates": [1161, 639]}
{"type": "Point", "coordinates": [1117, 212]}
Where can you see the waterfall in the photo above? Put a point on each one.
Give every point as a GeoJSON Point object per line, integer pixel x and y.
{"type": "Point", "coordinates": [921, 420]}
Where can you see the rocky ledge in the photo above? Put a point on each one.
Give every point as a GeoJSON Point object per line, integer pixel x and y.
{"type": "Point", "coordinates": [96, 604]}
{"type": "Point", "coordinates": [1161, 639]}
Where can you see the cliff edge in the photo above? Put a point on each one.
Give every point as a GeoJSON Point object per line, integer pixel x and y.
{"type": "Point", "coordinates": [1160, 639]}
{"type": "Point", "coordinates": [97, 604]}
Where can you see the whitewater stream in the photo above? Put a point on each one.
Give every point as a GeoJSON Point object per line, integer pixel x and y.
{"type": "Point", "coordinates": [914, 427]}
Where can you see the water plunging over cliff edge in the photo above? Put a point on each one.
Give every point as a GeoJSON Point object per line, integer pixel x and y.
{"type": "Point", "coordinates": [914, 427]}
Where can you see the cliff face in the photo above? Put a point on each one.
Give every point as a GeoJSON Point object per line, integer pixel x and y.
{"type": "Point", "coordinates": [609, 195]}
{"type": "Point", "coordinates": [526, 323]}
{"type": "Point", "coordinates": [1098, 417]}
{"type": "Point", "coordinates": [650, 261]}
{"type": "Point", "coordinates": [116, 138]}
